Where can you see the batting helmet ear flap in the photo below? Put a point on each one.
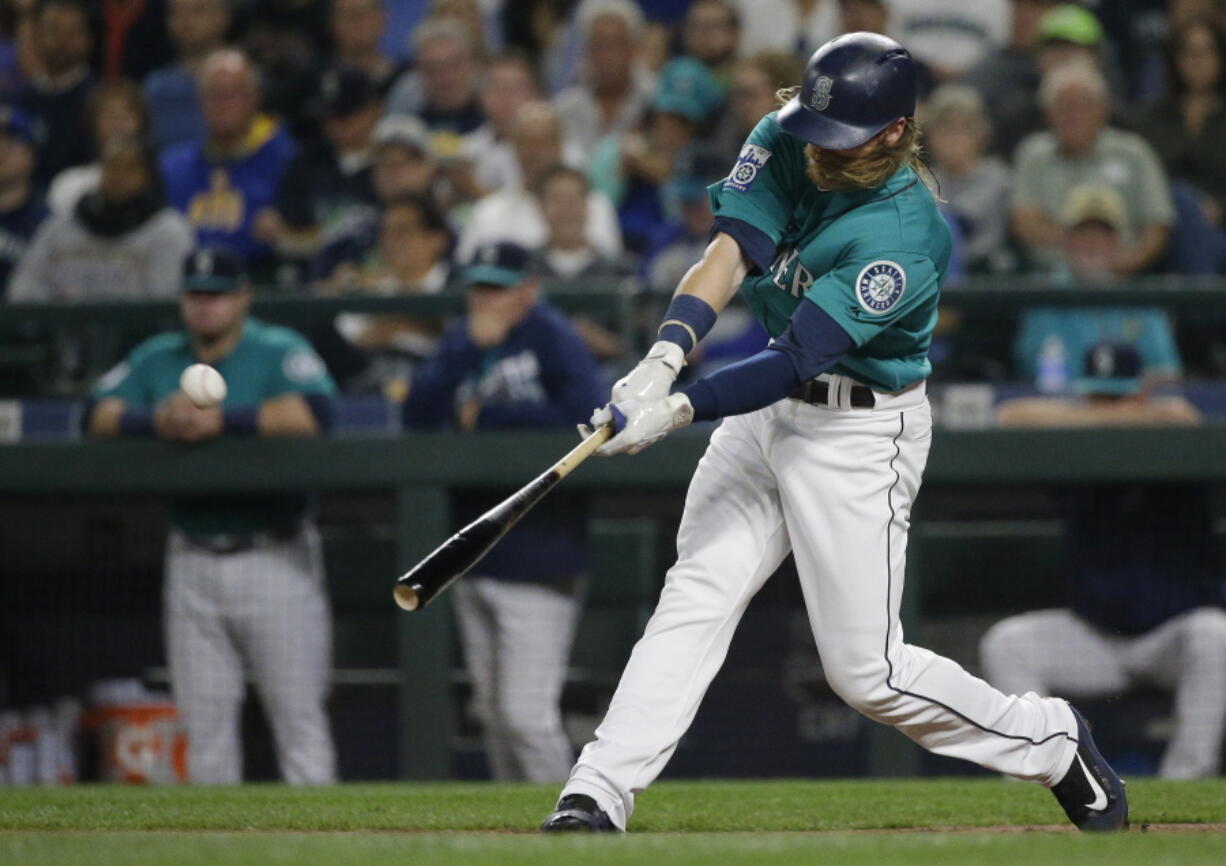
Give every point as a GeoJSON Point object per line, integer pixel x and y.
{"type": "Point", "coordinates": [855, 86]}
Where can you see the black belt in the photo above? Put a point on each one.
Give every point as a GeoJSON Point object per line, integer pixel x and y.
{"type": "Point", "coordinates": [817, 392]}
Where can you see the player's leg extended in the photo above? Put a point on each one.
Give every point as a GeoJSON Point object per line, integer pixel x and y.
{"type": "Point", "coordinates": [847, 481]}
{"type": "Point", "coordinates": [474, 604]}
{"type": "Point", "coordinates": [206, 672]}
{"type": "Point", "coordinates": [1187, 654]}
{"type": "Point", "coordinates": [280, 612]}
{"type": "Point", "coordinates": [535, 628]}
{"type": "Point", "coordinates": [731, 539]}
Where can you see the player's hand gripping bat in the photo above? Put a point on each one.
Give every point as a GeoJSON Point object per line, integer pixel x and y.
{"type": "Point", "coordinates": [455, 556]}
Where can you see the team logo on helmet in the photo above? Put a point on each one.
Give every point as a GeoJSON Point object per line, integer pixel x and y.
{"type": "Point", "coordinates": [880, 286]}
{"type": "Point", "coordinates": [821, 93]}
{"type": "Point", "coordinates": [752, 159]}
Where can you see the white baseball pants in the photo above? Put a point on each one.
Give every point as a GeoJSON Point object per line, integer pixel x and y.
{"type": "Point", "coordinates": [265, 609]}
{"type": "Point", "coordinates": [834, 486]}
{"type": "Point", "coordinates": [517, 639]}
{"type": "Point", "coordinates": [1056, 650]}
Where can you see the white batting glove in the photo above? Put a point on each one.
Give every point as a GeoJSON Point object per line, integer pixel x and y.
{"type": "Point", "coordinates": [640, 423]}
{"type": "Point", "coordinates": [653, 378]}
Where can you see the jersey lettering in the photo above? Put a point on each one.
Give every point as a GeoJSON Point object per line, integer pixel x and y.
{"type": "Point", "coordinates": [790, 275]}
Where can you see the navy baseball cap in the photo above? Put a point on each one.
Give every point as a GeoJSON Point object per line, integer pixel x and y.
{"type": "Point", "coordinates": [213, 269]}
{"type": "Point", "coordinates": [1110, 369]}
{"type": "Point", "coordinates": [344, 90]}
{"type": "Point", "coordinates": [15, 123]}
{"type": "Point", "coordinates": [497, 264]}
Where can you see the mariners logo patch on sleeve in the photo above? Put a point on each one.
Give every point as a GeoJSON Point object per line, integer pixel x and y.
{"type": "Point", "coordinates": [880, 286]}
{"type": "Point", "coordinates": [752, 159]}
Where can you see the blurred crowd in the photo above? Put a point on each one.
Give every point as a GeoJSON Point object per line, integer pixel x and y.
{"type": "Point", "coordinates": [370, 146]}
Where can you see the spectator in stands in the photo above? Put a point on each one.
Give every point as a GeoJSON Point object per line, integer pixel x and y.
{"type": "Point", "coordinates": [14, 45]}
{"type": "Point", "coordinates": [120, 242]}
{"type": "Point", "coordinates": [974, 186]}
{"type": "Point", "coordinates": [873, 16]}
{"type": "Point", "coordinates": [116, 109]}
{"type": "Point", "coordinates": [513, 214]}
{"type": "Point", "coordinates": [568, 257]}
{"type": "Point", "coordinates": [614, 89]}
{"type": "Point", "coordinates": [794, 27]}
{"type": "Point", "coordinates": [514, 362]}
{"type": "Point", "coordinates": [327, 186]}
{"type": "Point", "coordinates": [244, 588]}
{"type": "Point", "coordinates": [60, 85]}
{"type": "Point", "coordinates": [1081, 148]}
{"type": "Point", "coordinates": [751, 96]}
{"type": "Point", "coordinates": [357, 30]}
{"type": "Point", "coordinates": [1187, 127]}
{"type": "Point", "coordinates": [376, 353]}
{"type": "Point", "coordinates": [132, 40]}
{"type": "Point", "coordinates": [1051, 339]}
{"type": "Point", "coordinates": [443, 89]}
{"type": "Point", "coordinates": [197, 28]}
{"type": "Point", "coordinates": [510, 83]}
{"type": "Point", "coordinates": [226, 181]}
{"type": "Point", "coordinates": [21, 207]}
{"type": "Point", "coordinates": [950, 36]}
{"type": "Point", "coordinates": [285, 39]}
{"type": "Point", "coordinates": [710, 34]}
{"type": "Point", "coordinates": [1069, 33]}
{"type": "Point", "coordinates": [1146, 592]}
{"type": "Point", "coordinates": [1008, 80]}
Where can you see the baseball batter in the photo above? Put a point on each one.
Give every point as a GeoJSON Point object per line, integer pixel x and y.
{"type": "Point", "coordinates": [244, 575]}
{"type": "Point", "coordinates": [827, 228]}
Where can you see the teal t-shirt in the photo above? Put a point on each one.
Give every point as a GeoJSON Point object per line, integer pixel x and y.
{"type": "Point", "coordinates": [269, 361]}
{"type": "Point", "coordinates": [873, 261]}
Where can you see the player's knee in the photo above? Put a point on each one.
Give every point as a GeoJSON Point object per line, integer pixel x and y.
{"type": "Point", "coordinates": [864, 684]}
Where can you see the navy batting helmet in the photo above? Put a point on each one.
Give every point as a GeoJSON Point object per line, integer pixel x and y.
{"type": "Point", "coordinates": [855, 86]}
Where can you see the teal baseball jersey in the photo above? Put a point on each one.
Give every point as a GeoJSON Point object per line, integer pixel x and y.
{"type": "Point", "coordinates": [873, 260]}
{"type": "Point", "coordinates": [269, 361]}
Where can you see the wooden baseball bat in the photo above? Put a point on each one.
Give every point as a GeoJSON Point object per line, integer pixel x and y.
{"type": "Point", "coordinates": [455, 556]}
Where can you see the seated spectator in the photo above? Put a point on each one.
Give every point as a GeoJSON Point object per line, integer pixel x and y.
{"type": "Point", "coordinates": [514, 362]}
{"type": "Point", "coordinates": [875, 16]}
{"type": "Point", "coordinates": [245, 592]}
{"type": "Point", "coordinates": [513, 214]}
{"type": "Point", "coordinates": [21, 207]}
{"type": "Point", "coordinates": [1145, 589]}
{"type": "Point", "coordinates": [1081, 148]}
{"type": "Point", "coordinates": [510, 83]}
{"type": "Point", "coordinates": [443, 88]}
{"type": "Point", "coordinates": [950, 36]}
{"type": "Point", "coordinates": [14, 41]}
{"type": "Point", "coordinates": [197, 28]}
{"type": "Point", "coordinates": [327, 185]}
{"type": "Point", "coordinates": [632, 169]}
{"type": "Point", "coordinates": [614, 88]}
{"type": "Point", "coordinates": [711, 34]}
{"type": "Point", "coordinates": [1051, 338]}
{"type": "Point", "coordinates": [568, 257]}
{"type": "Point", "coordinates": [376, 353]}
{"type": "Point", "coordinates": [975, 186]}
{"type": "Point", "coordinates": [120, 242]}
{"type": "Point", "coordinates": [357, 31]}
{"type": "Point", "coordinates": [1008, 80]}
{"type": "Point", "coordinates": [793, 27]}
{"type": "Point", "coordinates": [132, 39]}
{"type": "Point", "coordinates": [114, 110]}
{"type": "Point", "coordinates": [60, 85]}
{"type": "Point", "coordinates": [755, 82]}
{"type": "Point", "coordinates": [226, 182]}
{"type": "Point", "coordinates": [285, 39]}
{"type": "Point", "coordinates": [1188, 126]}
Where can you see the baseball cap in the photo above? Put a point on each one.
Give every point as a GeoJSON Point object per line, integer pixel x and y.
{"type": "Point", "coordinates": [1069, 22]}
{"type": "Point", "coordinates": [685, 87]}
{"type": "Point", "coordinates": [344, 90]}
{"type": "Point", "coordinates": [1095, 203]}
{"type": "Point", "coordinates": [403, 129]}
{"type": "Point", "coordinates": [497, 264]}
{"type": "Point", "coordinates": [1111, 368]}
{"type": "Point", "coordinates": [15, 123]}
{"type": "Point", "coordinates": [213, 269]}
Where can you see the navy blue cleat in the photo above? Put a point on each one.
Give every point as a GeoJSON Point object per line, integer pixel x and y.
{"type": "Point", "coordinates": [1092, 793]}
{"type": "Point", "coordinates": [577, 813]}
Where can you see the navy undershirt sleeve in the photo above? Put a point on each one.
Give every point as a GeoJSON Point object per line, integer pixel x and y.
{"type": "Point", "coordinates": [812, 344]}
{"type": "Point", "coordinates": [755, 244]}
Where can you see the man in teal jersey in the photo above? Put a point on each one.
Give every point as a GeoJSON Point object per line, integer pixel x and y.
{"type": "Point", "coordinates": [827, 229]}
{"type": "Point", "coordinates": [244, 574]}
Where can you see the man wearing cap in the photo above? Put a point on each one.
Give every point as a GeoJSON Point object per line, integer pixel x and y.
{"type": "Point", "coordinates": [1145, 588]}
{"type": "Point", "coordinates": [22, 210]}
{"type": "Point", "coordinates": [244, 576]}
{"type": "Point", "coordinates": [514, 362]}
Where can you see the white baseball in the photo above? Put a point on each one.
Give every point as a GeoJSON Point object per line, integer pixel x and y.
{"type": "Point", "coordinates": [203, 386]}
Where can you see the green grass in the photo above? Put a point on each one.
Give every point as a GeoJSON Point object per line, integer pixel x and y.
{"type": "Point", "coordinates": [675, 823]}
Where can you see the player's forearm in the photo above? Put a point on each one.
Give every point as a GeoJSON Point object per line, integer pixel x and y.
{"type": "Point", "coordinates": [716, 278]}
{"type": "Point", "coordinates": [287, 415]}
{"type": "Point", "coordinates": [105, 417]}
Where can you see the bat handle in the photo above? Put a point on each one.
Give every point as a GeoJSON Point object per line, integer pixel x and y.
{"type": "Point", "coordinates": [583, 450]}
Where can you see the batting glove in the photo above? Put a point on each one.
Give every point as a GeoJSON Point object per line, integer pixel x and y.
{"type": "Point", "coordinates": [653, 378]}
{"type": "Point", "coordinates": [640, 423]}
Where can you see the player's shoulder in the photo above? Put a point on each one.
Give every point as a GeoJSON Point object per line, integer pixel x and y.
{"type": "Point", "coordinates": [275, 338]}
{"type": "Point", "coordinates": [171, 345]}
